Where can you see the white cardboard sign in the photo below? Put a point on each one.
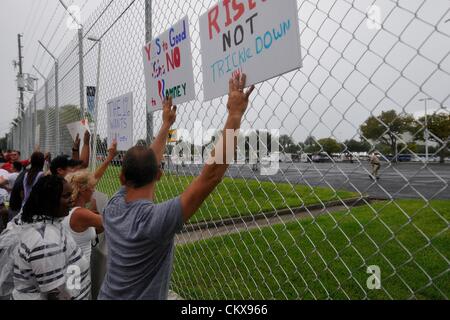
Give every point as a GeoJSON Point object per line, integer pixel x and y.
{"type": "Point", "coordinates": [168, 67]}
{"type": "Point", "coordinates": [80, 128]}
{"type": "Point", "coordinates": [120, 121]}
{"type": "Point", "coordinates": [258, 37]}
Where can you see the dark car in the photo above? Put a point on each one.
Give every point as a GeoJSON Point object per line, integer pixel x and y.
{"type": "Point", "coordinates": [321, 158]}
{"type": "Point", "coordinates": [400, 158]}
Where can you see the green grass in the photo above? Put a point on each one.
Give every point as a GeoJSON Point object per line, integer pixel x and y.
{"type": "Point", "coordinates": [326, 257]}
{"type": "Point", "coordinates": [235, 197]}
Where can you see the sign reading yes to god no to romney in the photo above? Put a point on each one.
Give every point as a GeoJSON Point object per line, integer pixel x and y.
{"type": "Point", "coordinates": [120, 121]}
{"type": "Point", "coordinates": [168, 67]}
{"type": "Point", "coordinates": [258, 37]}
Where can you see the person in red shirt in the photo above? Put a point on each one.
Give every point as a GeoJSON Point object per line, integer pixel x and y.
{"type": "Point", "coordinates": [14, 156]}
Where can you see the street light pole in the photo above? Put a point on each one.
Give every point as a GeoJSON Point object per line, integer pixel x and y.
{"type": "Point", "coordinates": [77, 20]}
{"type": "Point", "coordinates": [427, 134]}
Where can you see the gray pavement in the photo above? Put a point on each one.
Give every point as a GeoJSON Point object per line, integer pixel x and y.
{"type": "Point", "coordinates": [398, 181]}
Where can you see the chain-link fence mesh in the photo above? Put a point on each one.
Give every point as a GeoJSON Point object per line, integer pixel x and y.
{"type": "Point", "coordinates": [323, 227]}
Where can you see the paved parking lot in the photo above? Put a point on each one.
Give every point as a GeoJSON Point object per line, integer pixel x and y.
{"type": "Point", "coordinates": [403, 180]}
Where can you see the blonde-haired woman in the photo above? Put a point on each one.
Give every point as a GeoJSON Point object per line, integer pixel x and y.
{"type": "Point", "coordinates": [84, 224]}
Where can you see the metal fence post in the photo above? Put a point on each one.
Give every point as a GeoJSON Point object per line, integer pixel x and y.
{"type": "Point", "coordinates": [35, 123]}
{"type": "Point", "coordinates": [81, 72]}
{"type": "Point", "coordinates": [30, 126]}
{"type": "Point", "coordinates": [27, 133]}
{"type": "Point", "coordinates": [97, 99]}
{"type": "Point", "coordinates": [58, 138]}
{"type": "Point", "coordinates": [148, 38]}
{"type": "Point", "coordinates": [46, 136]}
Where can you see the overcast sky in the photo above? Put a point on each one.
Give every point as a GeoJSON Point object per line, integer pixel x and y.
{"type": "Point", "coordinates": [350, 70]}
{"type": "Point", "coordinates": [43, 20]}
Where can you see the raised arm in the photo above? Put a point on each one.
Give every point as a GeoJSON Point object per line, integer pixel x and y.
{"type": "Point", "coordinates": [112, 152]}
{"type": "Point", "coordinates": [213, 172]}
{"type": "Point", "coordinates": [85, 152]}
{"type": "Point", "coordinates": [76, 148]}
{"type": "Point", "coordinates": [169, 117]}
{"type": "Point", "coordinates": [83, 219]}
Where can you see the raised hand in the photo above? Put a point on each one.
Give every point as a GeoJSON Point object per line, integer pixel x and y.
{"type": "Point", "coordinates": [169, 112]}
{"type": "Point", "coordinates": [76, 143]}
{"type": "Point", "coordinates": [237, 98]}
{"type": "Point", "coordinates": [87, 138]}
{"type": "Point", "coordinates": [112, 151]}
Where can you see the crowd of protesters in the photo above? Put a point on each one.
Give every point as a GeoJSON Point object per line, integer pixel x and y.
{"type": "Point", "coordinates": [51, 219]}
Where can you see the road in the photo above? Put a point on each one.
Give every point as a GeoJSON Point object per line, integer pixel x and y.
{"type": "Point", "coordinates": [398, 181]}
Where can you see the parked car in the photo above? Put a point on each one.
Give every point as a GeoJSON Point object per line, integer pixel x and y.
{"type": "Point", "coordinates": [404, 158]}
{"type": "Point", "coordinates": [423, 158]}
{"type": "Point", "coordinates": [321, 158]}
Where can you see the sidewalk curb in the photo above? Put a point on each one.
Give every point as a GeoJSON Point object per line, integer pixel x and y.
{"type": "Point", "coordinates": [354, 202]}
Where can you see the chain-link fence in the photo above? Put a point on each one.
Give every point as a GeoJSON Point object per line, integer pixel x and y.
{"type": "Point", "coordinates": [323, 227]}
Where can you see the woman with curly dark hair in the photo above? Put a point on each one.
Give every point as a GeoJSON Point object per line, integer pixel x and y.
{"type": "Point", "coordinates": [49, 265]}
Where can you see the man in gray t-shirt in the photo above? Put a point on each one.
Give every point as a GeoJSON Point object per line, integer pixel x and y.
{"type": "Point", "coordinates": [139, 233]}
{"type": "Point", "coordinates": [140, 239]}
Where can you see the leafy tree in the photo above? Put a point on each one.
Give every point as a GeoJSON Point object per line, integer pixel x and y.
{"type": "Point", "coordinates": [330, 145]}
{"type": "Point", "coordinates": [310, 141]}
{"type": "Point", "coordinates": [439, 129]}
{"type": "Point", "coordinates": [383, 148]}
{"type": "Point", "coordinates": [387, 127]}
{"type": "Point", "coordinates": [288, 145]}
{"type": "Point", "coordinates": [357, 146]}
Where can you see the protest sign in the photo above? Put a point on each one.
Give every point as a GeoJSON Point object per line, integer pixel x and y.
{"type": "Point", "coordinates": [168, 67]}
{"type": "Point", "coordinates": [120, 121]}
{"type": "Point", "coordinates": [258, 37]}
{"type": "Point", "coordinates": [80, 128]}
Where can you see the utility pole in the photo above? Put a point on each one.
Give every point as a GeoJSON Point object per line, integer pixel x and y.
{"type": "Point", "coordinates": [21, 88]}
{"type": "Point", "coordinates": [20, 76]}
{"type": "Point", "coordinates": [148, 38]}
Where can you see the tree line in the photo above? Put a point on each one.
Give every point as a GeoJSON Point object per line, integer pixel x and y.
{"type": "Point", "coordinates": [383, 133]}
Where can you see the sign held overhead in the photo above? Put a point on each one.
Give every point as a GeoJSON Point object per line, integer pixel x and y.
{"type": "Point", "coordinates": [120, 121]}
{"type": "Point", "coordinates": [258, 37]}
{"type": "Point", "coordinates": [168, 67]}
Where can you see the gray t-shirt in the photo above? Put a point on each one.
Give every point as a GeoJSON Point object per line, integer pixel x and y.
{"type": "Point", "coordinates": [140, 237]}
